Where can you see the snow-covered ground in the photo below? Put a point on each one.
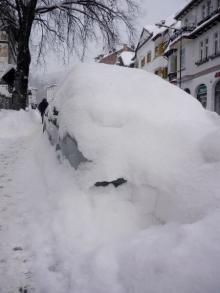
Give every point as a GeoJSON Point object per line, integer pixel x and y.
{"type": "Point", "coordinates": [159, 233]}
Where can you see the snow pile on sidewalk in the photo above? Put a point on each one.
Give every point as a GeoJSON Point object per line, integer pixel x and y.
{"type": "Point", "coordinates": [17, 123]}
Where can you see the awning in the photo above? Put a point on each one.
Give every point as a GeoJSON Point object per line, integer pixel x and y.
{"type": "Point", "coordinates": [8, 75]}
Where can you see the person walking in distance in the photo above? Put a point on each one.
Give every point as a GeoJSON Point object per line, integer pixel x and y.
{"type": "Point", "coordinates": [42, 108]}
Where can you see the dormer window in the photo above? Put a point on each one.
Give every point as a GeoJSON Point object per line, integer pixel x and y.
{"type": "Point", "coordinates": [209, 7]}
{"type": "Point", "coordinates": [203, 11]}
{"type": "Point", "coordinates": [149, 57]}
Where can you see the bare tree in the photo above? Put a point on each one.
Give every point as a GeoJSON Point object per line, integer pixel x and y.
{"type": "Point", "coordinates": [72, 22]}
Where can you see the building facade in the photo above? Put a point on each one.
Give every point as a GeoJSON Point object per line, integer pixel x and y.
{"type": "Point", "coordinates": [194, 52]}
{"type": "Point", "coordinates": [7, 68]}
{"type": "Point", "coordinates": [152, 44]}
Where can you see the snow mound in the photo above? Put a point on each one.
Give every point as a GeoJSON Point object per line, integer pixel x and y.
{"type": "Point", "coordinates": [131, 124]}
{"type": "Point", "coordinates": [17, 123]}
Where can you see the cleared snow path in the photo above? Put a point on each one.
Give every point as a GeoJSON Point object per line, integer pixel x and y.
{"type": "Point", "coordinates": [27, 242]}
{"type": "Point", "coordinates": [15, 245]}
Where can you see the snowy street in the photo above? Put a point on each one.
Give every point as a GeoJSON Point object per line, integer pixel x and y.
{"type": "Point", "coordinates": [18, 185]}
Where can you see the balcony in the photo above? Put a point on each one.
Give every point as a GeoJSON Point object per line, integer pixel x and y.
{"type": "Point", "coordinates": [185, 30]}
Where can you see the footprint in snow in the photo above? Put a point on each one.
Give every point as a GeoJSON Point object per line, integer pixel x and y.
{"type": "Point", "coordinates": [23, 290]}
{"type": "Point", "coordinates": [17, 248]}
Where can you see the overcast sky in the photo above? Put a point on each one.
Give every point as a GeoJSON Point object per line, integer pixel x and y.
{"type": "Point", "coordinates": [155, 10]}
{"type": "Point", "coordinates": [151, 11]}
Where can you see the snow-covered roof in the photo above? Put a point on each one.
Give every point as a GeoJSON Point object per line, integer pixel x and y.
{"type": "Point", "coordinates": [155, 30]}
{"type": "Point", "coordinates": [116, 49]}
{"type": "Point", "coordinates": [187, 7]}
{"type": "Point", "coordinates": [127, 58]}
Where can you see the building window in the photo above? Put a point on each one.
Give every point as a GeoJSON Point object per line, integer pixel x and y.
{"type": "Point", "coordinates": [216, 43]}
{"type": "Point", "coordinates": [209, 7]}
{"type": "Point", "coordinates": [217, 98]}
{"type": "Point", "coordinates": [156, 51]}
{"type": "Point", "coordinates": [203, 12]}
{"type": "Point", "coordinates": [4, 50]}
{"type": "Point", "coordinates": [194, 23]}
{"type": "Point", "coordinates": [201, 51]}
{"type": "Point", "coordinates": [3, 36]}
{"type": "Point", "coordinates": [218, 3]}
{"type": "Point", "coordinates": [148, 57]}
{"type": "Point", "coordinates": [173, 63]}
{"type": "Point", "coordinates": [143, 62]}
{"type": "Point", "coordinates": [161, 49]}
{"type": "Point", "coordinates": [187, 91]}
{"type": "Point", "coordinates": [165, 72]}
{"type": "Point", "coordinates": [201, 94]}
{"type": "Point", "coordinates": [182, 58]}
{"type": "Point", "coordinates": [206, 48]}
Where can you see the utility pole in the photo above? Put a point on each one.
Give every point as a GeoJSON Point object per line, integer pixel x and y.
{"type": "Point", "coordinates": [181, 54]}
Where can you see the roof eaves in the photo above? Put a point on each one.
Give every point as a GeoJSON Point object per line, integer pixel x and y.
{"type": "Point", "coordinates": [187, 8]}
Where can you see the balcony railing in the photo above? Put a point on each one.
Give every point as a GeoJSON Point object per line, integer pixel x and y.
{"type": "Point", "coordinates": [191, 28]}
{"type": "Point", "coordinates": [182, 31]}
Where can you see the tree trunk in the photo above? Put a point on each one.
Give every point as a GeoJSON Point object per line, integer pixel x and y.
{"type": "Point", "coordinates": [20, 94]}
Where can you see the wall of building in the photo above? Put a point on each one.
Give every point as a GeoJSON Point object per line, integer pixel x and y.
{"type": "Point", "coordinates": [196, 15]}
{"type": "Point", "coordinates": [157, 62]}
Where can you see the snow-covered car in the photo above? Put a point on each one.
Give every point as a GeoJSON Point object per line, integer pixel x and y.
{"type": "Point", "coordinates": [126, 127]}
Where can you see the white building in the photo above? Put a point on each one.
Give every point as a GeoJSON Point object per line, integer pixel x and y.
{"type": "Point", "coordinates": [199, 38]}
{"type": "Point", "coordinates": [7, 69]}
{"type": "Point", "coordinates": [151, 46]}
